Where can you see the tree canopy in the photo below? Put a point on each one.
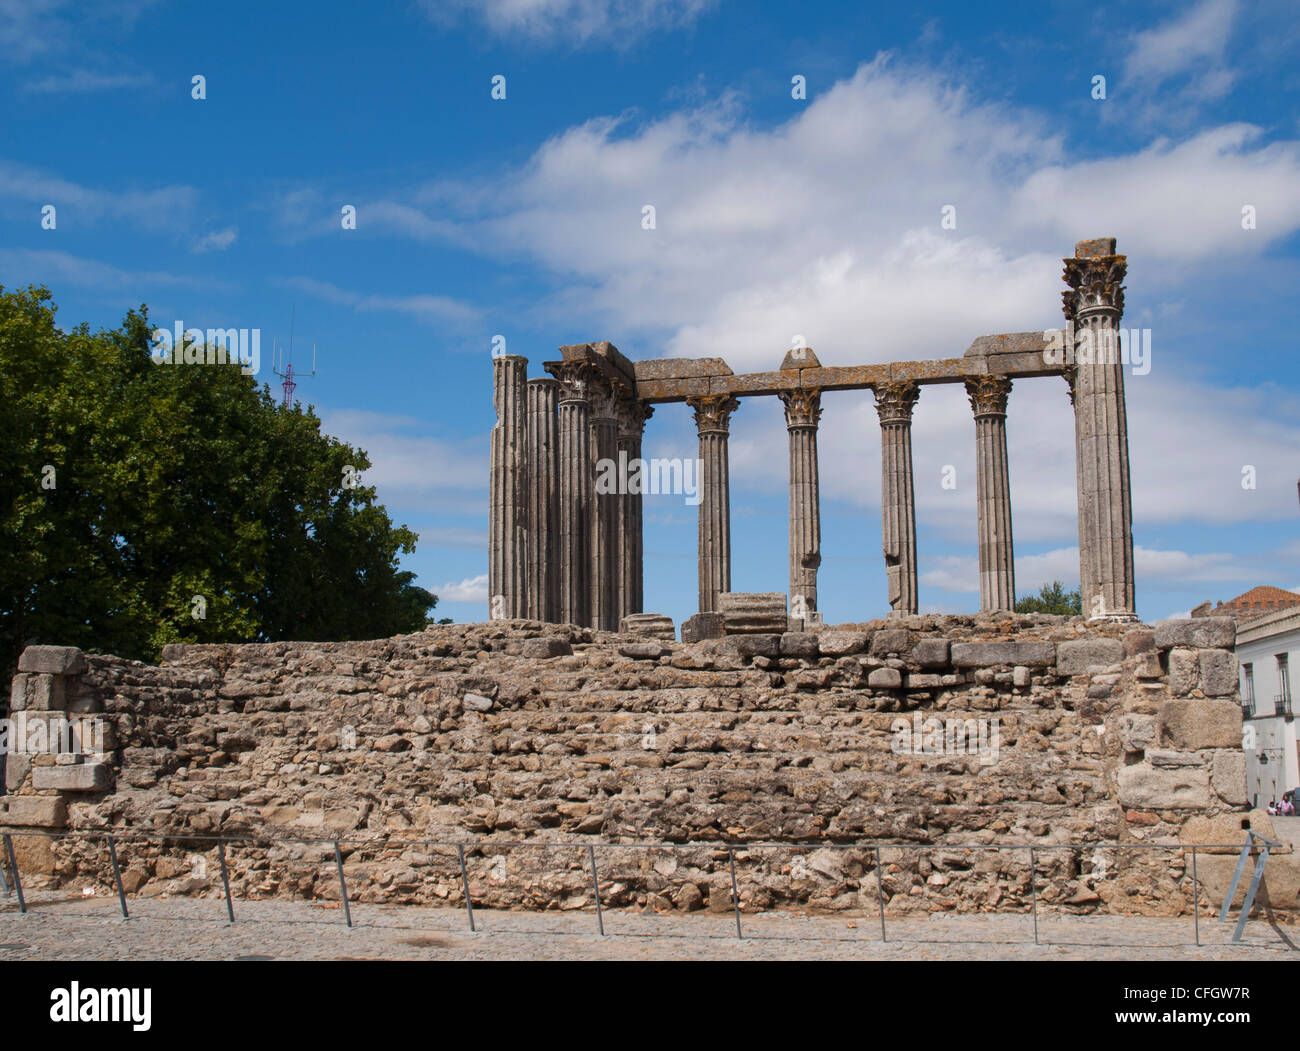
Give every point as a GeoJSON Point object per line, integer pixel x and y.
{"type": "Point", "coordinates": [1052, 598]}
{"type": "Point", "coordinates": [142, 504]}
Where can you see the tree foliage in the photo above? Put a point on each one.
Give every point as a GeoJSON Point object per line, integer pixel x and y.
{"type": "Point", "coordinates": [1052, 598]}
{"type": "Point", "coordinates": [133, 490]}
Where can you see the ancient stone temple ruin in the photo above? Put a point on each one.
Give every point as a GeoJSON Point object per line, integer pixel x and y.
{"type": "Point", "coordinates": [561, 551]}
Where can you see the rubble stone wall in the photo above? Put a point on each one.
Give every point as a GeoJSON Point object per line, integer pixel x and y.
{"type": "Point", "coordinates": [515, 735]}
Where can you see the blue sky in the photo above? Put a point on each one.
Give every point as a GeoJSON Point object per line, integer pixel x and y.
{"type": "Point", "coordinates": [775, 216]}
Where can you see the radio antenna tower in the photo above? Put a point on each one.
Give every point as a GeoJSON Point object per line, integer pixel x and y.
{"type": "Point", "coordinates": [285, 371]}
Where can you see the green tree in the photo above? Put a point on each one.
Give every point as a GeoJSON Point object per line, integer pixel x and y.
{"type": "Point", "coordinates": [137, 496]}
{"type": "Point", "coordinates": [1052, 598]}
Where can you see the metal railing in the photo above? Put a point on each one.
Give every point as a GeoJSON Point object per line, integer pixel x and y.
{"type": "Point", "coordinates": [1255, 844]}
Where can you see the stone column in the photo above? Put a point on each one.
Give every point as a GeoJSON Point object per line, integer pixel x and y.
{"type": "Point", "coordinates": [507, 514]}
{"type": "Point", "coordinates": [602, 580]}
{"type": "Point", "coordinates": [988, 399]}
{"type": "Point", "coordinates": [803, 410]}
{"type": "Point", "coordinates": [713, 421]}
{"type": "Point", "coordinates": [574, 496]}
{"type": "Point", "coordinates": [1093, 307]}
{"type": "Point", "coordinates": [632, 418]}
{"type": "Point", "coordinates": [894, 402]}
{"type": "Point", "coordinates": [543, 509]}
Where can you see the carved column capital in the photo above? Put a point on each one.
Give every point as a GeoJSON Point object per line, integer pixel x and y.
{"type": "Point", "coordinates": [713, 412]}
{"type": "Point", "coordinates": [895, 400]}
{"type": "Point", "coordinates": [1071, 374]}
{"type": "Point", "coordinates": [803, 407]}
{"type": "Point", "coordinates": [988, 395]}
{"type": "Point", "coordinates": [1096, 285]}
{"type": "Point", "coordinates": [576, 379]}
{"type": "Point", "coordinates": [632, 415]}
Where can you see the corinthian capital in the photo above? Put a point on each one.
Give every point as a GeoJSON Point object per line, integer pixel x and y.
{"type": "Point", "coordinates": [713, 412]}
{"type": "Point", "coordinates": [1096, 283]}
{"type": "Point", "coordinates": [894, 401]}
{"type": "Point", "coordinates": [576, 379]}
{"type": "Point", "coordinates": [988, 394]}
{"type": "Point", "coordinates": [803, 407]}
{"type": "Point", "coordinates": [632, 416]}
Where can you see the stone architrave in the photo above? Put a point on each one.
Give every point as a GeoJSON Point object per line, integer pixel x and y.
{"type": "Point", "coordinates": [988, 399]}
{"type": "Point", "coordinates": [507, 514]}
{"type": "Point", "coordinates": [603, 578]}
{"type": "Point", "coordinates": [1093, 306]}
{"type": "Point", "coordinates": [632, 416]}
{"type": "Point", "coordinates": [713, 421]}
{"type": "Point", "coordinates": [543, 501]}
{"type": "Point", "coordinates": [894, 403]}
{"type": "Point", "coordinates": [575, 482]}
{"type": "Point", "coordinates": [802, 412]}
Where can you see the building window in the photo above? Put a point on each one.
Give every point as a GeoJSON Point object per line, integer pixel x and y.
{"type": "Point", "coordinates": [1283, 706]}
{"type": "Point", "coordinates": [1248, 701]}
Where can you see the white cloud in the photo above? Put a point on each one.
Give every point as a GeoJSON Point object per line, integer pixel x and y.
{"type": "Point", "coordinates": [83, 81]}
{"type": "Point", "coordinates": [574, 22]}
{"type": "Point", "coordinates": [167, 208]}
{"type": "Point", "coordinates": [429, 308]}
{"type": "Point", "coordinates": [52, 268]}
{"type": "Point", "coordinates": [1192, 42]}
{"type": "Point", "coordinates": [217, 240]}
{"type": "Point", "coordinates": [473, 589]}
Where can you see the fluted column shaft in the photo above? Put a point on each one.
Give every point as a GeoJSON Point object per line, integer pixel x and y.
{"type": "Point", "coordinates": [574, 498]}
{"type": "Point", "coordinates": [631, 570]}
{"type": "Point", "coordinates": [543, 508]}
{"type": "Point", "coordinates": [507, 507]}
{"type": "Point", "coordinates": [894, 402]}
{"type": "Point", "coordinates": [713, 420]}
{"type": "Point", "coordinates": [602, 579]}
{"type": "Point", "coordinates": [1094, 305]}
{"type": "Point", "coordinates": [802, 414]}
{"type": "Point", "coordinates": [988, 399]}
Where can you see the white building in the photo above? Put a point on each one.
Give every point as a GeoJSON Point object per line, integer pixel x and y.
{"type": "Point", "coordinates": [1268, 648]}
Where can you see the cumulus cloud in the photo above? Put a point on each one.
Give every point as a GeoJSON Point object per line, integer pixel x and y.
{"type": "Point", "coordinates": [217, 240]}
{"type": "Point", "coordinates": [1193, 42]}
{"type": "Point", "coordinates": [429, 308]}
{"type": "Point", "coordinates": [571, 22]}
{"type": "Point", "coordinates": [473, 589]}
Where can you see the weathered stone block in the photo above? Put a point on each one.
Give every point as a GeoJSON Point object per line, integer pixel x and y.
{"type": "Point", "coordinates": [16, 766]}
{"type": "Point", "coordinates": [766, 645]}
{"type": "Point", "coordinates": [475, 702]}
{"type": "Point", "coordinates": [1137, 732]}
{"type": "Point", "coordinates": [753, 613]}
{"type": "Point", "coordinates": [1081, 655]}
{"type": "Point", "coordinates": [1166, 758]}
{"type": "Point", "coordinates": [985, 654]}
{"type": "Point", "coordinates": [1218, 673]}
{"type": "Point", "coordinates": [799, 644]}
{"type": "Point", "coordinates": [649, 650]}
{"type": "Point", "coordinates": [703, 626]}
{"type": "Point", "coordinates": [83, 777]}
{"type": "Point", "coordinates": [34, 811]}
{"type": "Point", "coordinates": [541, 649]}
{"type": "Point", "coordinates": [1190, 725]}
{"type": "Point", "coordinates": [924, 681]}
{"type": "Point", "coordinates": [885, 679]}
{"type": "Point", "coordinates": [1199, 632]}
{"type": "Point", "coordinates": [890, 640]}
{"type": "Point", "coordinates": [1228, 776]}
{"type": "Point", "coordinates": [841, 643]}
{"type": "Point", "coordinates": [1149, 788]}
{"type": "Point", "coordinates": [18, 692]}
{"type": "Point", "coordinates": [656, 625]}
{"type": "Point", "coordinates": [1139, 640]}
{"type": "Point", "coordinates": [1184, 672]}
{"type": "Point", "coordinates": [932, 653]}
{"type": "Point", "coordinates": [45, 693]}
{"type": "Point", "coordinates": [53, 660]}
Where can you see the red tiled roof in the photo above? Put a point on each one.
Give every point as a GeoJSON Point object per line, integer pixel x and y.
{"type": "Point", "coordinates": [1261, 599]}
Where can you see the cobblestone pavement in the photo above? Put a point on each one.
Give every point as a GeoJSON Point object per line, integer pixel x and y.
{"type": "Point", "coordinates": [58, 927]}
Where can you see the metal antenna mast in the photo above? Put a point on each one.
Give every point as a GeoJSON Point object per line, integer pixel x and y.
{"type": "Point", "coordinates": [285, 371]}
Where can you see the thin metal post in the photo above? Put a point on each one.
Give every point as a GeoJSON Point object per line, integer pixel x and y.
{"type": "Point", "coordinates": [225, 879]}
{"type": "Point", "coordinates": [1033, 889]}
{"type": "Point", "coordinates": [1236, 876]}
{"type": "Point", "coordinates": [1246, 905]}
{"type": "Point", "coordinates": [880, 895]}
{"type": "Point", "coordinates": [338, 861]}
{"type": "Point", "coordinates": [1196, 899]}
{"type": "Point", "coordinates": [595, 882]}
{"type": "Point", "coordinates": [117, 877]}
{"type": "Point", "coordinates": [464, 882]}
{"type": "Point", "coordinates": [4, 882]}
{"type": "Point", "coordinates": [735, 893]}
{"type": "Point", "coordinates": [13, 867]}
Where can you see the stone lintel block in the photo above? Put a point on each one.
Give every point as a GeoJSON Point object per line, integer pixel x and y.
{"type": "Point", "coordinates": [82, 777]}
{"type": "Point", "coordinates": [987, 654]}
{"type": "Point", "coordinates": [932, 653]}
{"type": "Point", "coordinates": [655, 625]}
{"type": "Point", "coordinates": [542, 648]}
{"type": "Point", "coordinates": [1164, 788]}
{"type": "Point", "coordinates": [33, 811]}
{"type": "Point", "coordinates": [799, 644]}
{"type": "Point", "coordinates": [759, 613]}
{"type": "Point", "coordinates": [841, 643]}
{"type": "Point", "coordinates": [1080, 656]}
{"type": "Point", "coordinates": [53, 660]}
{"type": "Point", "coordinates": [1189, 725]}
{"type": "Point", "coordinates": [703, 626]}
{"type": "Point", "coordinates": [1095, 248]}
{"type": "Point", "coordinates": [1218, 673]}
{"type": "Point", "coordinates": [890, 640]}
{"type": "Point", "coordinates": [1200, 632]}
